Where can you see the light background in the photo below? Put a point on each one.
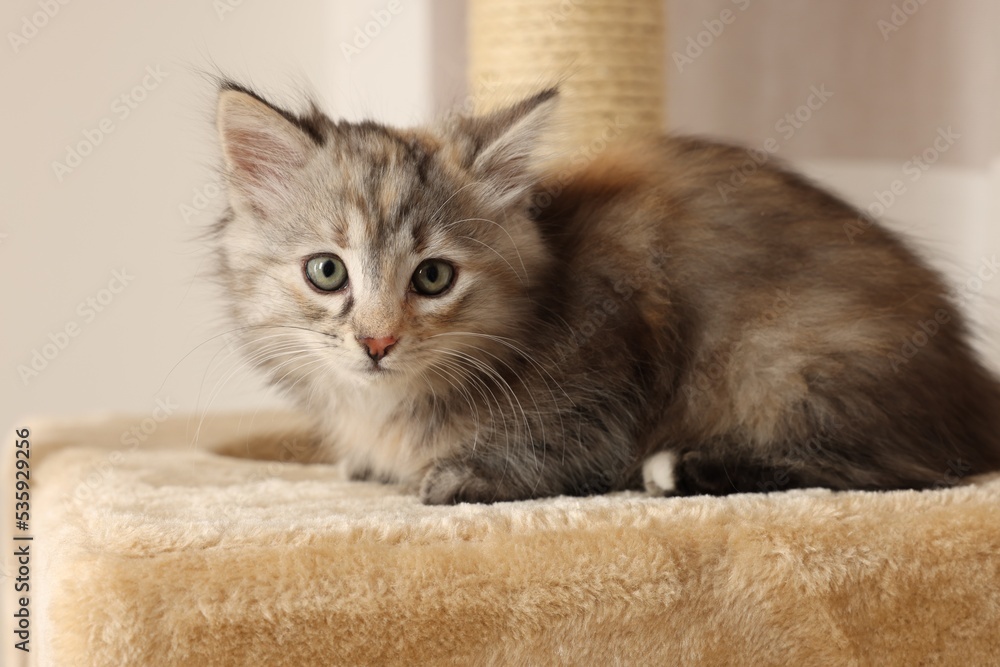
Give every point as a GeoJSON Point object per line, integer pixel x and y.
{"type": "Point", "coordinates": [121, 208]}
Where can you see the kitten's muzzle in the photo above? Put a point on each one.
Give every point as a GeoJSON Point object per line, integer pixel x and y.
{"type": "Point", "coordinates": [378, 347]}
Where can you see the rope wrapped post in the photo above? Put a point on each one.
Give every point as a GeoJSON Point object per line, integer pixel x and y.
{"type": "Point", "coordinates": [607, 56]}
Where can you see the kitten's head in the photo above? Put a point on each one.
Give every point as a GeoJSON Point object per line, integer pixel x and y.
{"type": "Point", "coordinates": [361, 254]}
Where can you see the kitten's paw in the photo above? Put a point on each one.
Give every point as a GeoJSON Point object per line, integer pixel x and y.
{"type": "Point", "coordinates": [451, 482]}
{"type": "Point", "coordinates": [701, 473]}
{"type": "Point", "coordinates": [659, 474]}
{"type": "Point", "coordinates": [697, 474]}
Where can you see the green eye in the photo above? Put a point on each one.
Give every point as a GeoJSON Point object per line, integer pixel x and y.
{"type": "Point", "coordinates": [433, 277]}
{"type": "Point", "coordinates": [326, 272]}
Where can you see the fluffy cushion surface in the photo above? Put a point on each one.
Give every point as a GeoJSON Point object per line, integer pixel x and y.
{"type": "Point", "coordinates": [167, 553]}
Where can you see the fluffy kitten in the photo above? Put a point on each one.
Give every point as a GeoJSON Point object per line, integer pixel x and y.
{"type": "Point", "coordinates": [459, 319]}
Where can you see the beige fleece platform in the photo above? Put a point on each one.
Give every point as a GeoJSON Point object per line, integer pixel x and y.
{"type": "Point", "coordinates": [165, 553]}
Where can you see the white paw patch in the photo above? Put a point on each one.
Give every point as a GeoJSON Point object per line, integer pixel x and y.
{"type": "Point", "coordinates": [658, 473]}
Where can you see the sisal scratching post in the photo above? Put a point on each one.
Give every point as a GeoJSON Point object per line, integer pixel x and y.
{"type": "Point", "coordinates": [607, 56]}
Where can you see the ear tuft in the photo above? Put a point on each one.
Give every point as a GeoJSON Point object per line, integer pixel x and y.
{"type": "Point", "coordinates": [508, 144]}
{"type": "Point", "coordinates": [262, 149]}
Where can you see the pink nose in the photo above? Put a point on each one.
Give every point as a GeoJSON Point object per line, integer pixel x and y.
{"type": "Point", "coordinates": [377, 347]}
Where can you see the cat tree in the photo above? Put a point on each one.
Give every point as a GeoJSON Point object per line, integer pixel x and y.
{"type": "Point", "coordinates": [174, 555]}
{"type": "Point", "coordinates": [607, 56]}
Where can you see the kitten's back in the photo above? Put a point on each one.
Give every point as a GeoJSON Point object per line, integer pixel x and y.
{"type": "Point", "coordinates": [792, 342]}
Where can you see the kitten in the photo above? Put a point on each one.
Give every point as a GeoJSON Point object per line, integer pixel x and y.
{"type": "Point", "coordinates": [458, 318]}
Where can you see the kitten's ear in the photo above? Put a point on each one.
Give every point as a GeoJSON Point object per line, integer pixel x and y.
{"type": "Point", "coordinates": [263, 150]}
{"type": "Point", "coordinates": [506, 144]}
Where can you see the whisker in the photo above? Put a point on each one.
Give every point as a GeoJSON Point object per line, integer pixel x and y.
{"type": "Point", "coordinates": [502, 228]}
{"type": "Point", "coordinates": [483, 243]}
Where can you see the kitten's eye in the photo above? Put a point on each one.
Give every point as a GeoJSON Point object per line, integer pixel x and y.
{"type": "Point", "coordinates": [326, 272]}
{"type": "Point", "coordinates": [433, 277]}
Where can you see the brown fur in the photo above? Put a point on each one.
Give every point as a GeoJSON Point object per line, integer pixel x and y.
{"type": "Point", "coordinates": [601, 312]}
{"type": "Point", "coordinates": [788, 368]}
